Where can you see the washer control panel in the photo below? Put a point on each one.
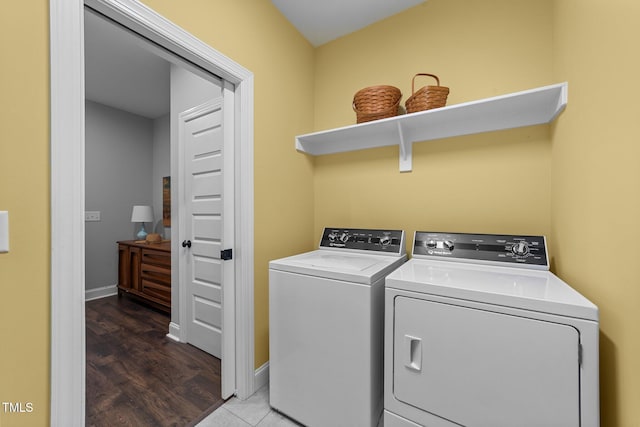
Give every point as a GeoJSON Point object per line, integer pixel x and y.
{"type": "Point", "coordinates": [390, 241]}
{"type": "Point", "coordinates": [496, 249]}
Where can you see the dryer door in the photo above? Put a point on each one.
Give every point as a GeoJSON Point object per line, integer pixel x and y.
{"type": "Point", "coordinates": [482, 368]}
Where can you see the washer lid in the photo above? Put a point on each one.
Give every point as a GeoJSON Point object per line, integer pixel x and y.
{"type": "Point", "coordinates": [540, 291]}
{"type": "Point", "coordinates": [351, 267]}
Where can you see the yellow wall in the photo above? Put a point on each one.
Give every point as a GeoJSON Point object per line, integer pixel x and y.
{"type": "Point", "coordinates": [257, 36]}
{"type": "Point", "coordinates": [253, 34]}
{"type": "Point", "coordinates": [24, 192]}
{"type": "Point", "coordinates": [497, 182]}
{"type": "Point", "coordinates": [576, 181]}
{"type": "Point", "coordinates": [596, 184]}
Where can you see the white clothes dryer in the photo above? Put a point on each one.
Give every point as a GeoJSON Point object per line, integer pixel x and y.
{"type": "Point", "coordinates": [326, 328]}
{"type": "Point", "coordinates": [479, 333]}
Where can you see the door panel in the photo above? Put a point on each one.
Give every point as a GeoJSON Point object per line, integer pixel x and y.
{"type": "Point", "coordinates": [482, 368]}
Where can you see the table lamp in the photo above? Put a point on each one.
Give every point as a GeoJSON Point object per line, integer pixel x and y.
{"type": "Point", "coordinates": [142, 214]}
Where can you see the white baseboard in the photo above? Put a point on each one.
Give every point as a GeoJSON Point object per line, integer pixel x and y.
{"type": "Point", "coordinates": [261, 376]}
{"type": "Point", "coordinates": [105, 291]}
{"type": "Point", "coordinates": [174, 331]}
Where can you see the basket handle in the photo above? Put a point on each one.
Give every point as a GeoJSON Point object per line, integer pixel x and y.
{"type": "Point", "coordinates": [423, 74]}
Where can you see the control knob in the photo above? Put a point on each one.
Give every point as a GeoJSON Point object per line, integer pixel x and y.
{"type": "Point", "coordinates": [520, 249]}
{"type": "Point", "coordinates": [344, 237]}
{"type": "Point", "coordinates": [385, 240]}
{"type": "Point", "coordinates": [448, 244]}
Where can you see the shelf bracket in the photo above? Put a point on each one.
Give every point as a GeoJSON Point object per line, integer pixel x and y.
{"type": "Point", "coordinates": [406, 148]}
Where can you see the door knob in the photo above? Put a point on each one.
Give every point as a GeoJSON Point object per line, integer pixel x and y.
{"type": "Point", "coordinates": [186, 244]}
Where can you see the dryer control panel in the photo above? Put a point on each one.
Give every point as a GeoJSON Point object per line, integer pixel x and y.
{"type": "Point", "coordinates": [494, 249]}
{"type": "Point", "coordinates": [389, 241]}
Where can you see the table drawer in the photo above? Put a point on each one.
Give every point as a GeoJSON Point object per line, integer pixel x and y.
{"type": "Point", "coordinates": [159, 258]}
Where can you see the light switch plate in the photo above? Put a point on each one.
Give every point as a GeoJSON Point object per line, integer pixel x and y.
{"type": "Point", "coordinates": [91, 216]}
{"type": "Point", "coordinates": [4, 231]}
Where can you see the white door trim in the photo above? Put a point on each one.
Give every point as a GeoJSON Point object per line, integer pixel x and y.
{"type": "Point", "coordinates": [229, 348]}
{"type": "Point", "coordinates": [68, 199]}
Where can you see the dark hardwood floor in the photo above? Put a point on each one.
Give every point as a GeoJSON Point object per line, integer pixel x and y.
{"type": "Point", "coordinates": [136, 376]}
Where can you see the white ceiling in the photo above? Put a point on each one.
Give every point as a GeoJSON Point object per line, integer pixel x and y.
{"type": "Point", "coordinates": [120, 72]}
{"type": "Point", "coordinates": [326, 20]}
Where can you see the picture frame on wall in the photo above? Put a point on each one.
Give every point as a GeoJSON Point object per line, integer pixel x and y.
{"type": "Point", "coordinates": [166, 201]}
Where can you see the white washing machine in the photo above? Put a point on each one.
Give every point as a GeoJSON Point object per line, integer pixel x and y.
{"type": "Point", "coordinates": [326, 328]}
{"type": "Point", "coordinates": [479, 333]}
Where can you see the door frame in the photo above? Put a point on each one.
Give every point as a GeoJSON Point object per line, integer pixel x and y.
{"type": "Point", "coordinates": [68, 185]}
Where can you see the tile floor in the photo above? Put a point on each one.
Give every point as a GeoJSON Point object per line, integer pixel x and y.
{"type": "Point", "coordinates": [253, 412]}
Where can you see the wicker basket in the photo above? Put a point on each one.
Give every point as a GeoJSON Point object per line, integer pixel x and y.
{"type": "Point", "coordinates": [376, 102]}
{"type": "Point", "coordinates": [427, 97]}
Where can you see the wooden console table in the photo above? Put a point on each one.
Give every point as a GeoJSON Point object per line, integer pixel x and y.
{"type": "Point", "coordinates": [144, 271]}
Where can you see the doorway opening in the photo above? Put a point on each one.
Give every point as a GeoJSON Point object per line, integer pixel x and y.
{"type": "Point", "coordinates": [68, 183]}
{"type": "Point", "coordinates": [132, 97]}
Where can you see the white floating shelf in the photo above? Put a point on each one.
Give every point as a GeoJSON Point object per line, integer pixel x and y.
{"type": "Point", "coordinates": [526, 108]}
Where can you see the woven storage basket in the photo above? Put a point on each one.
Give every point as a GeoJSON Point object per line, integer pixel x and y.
{"type": "Point", "coordinates": [427, 97]}
{"type": "Point", "coordinates": [376, 102]}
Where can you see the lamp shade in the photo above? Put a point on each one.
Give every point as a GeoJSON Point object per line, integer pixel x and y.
{"type": "Point", "coordinates": [142, 214]}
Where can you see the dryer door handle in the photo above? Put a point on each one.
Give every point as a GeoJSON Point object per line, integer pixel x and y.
{"type": "Point", "coordinates": [413, 353]}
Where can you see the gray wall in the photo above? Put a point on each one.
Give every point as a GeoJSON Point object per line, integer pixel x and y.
{"type": "Point", "coordinates": [126, 157]}
{"type": "Point", "coordinates": [119, 174]}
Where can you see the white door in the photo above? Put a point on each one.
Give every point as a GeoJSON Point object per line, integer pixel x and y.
{"type": "Point", "coordinates": [206, 141]}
